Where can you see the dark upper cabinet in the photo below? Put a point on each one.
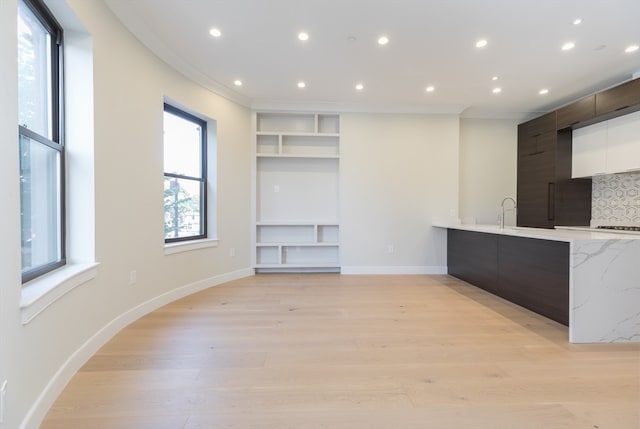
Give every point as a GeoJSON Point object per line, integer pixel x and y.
{"type": "Point", "coordinates": [537, 126]}
{"type": "Point", "coordinates": [621, 97]}
{"type": "Point", "coordinates": [536, 167]}
{"type": "Point", "coordinates": [546, 194]}
{"type": "Point", "coordinates": [580, 111]}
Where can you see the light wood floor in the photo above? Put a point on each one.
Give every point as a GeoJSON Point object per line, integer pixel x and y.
{"type": "Point", "coordinates": [350, 352]}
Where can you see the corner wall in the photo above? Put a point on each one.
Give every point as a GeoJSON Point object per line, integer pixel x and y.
{"type": "Point", "coordinates": [488, 155]}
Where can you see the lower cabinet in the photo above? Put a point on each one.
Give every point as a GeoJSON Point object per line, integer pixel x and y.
{"type": "Point", "coordinates": [473, 257]}
{"type": "Point", "coordinates": [529, 272]}
{"type": "Point", "coordinates": [535, 274]}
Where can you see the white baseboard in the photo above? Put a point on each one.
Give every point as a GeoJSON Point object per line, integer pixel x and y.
{"type": "Point", "coordinates": [397, 270]}
{"type": "Point", "coordinates": [41, 406]}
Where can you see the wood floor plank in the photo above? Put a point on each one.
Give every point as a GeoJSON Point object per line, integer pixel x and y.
{"type": "Point", "coordinates": [355, 352]}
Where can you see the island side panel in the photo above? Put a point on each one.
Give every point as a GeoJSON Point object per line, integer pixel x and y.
{"type": "Point", "coordinates": [605, 293]}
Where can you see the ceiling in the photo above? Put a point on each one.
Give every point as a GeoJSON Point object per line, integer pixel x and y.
{"type": "Point", "coordinates": [431, 43]}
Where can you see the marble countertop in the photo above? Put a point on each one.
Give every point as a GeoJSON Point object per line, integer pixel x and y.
{"type": "Point", "coordinates": [567, 234]}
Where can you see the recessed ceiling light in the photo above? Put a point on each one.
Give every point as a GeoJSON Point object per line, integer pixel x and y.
{"type": "Point", "coordinates": [543, 91]}
{"type": "Point", "coordinates": [215, 32]}
{"type": "Point", "coordinates": [481, 43]}
{"type": "Point", "coordinates": [431, 88]}
{"type": "Point", "coordinates": [383, 40]}
{"type": "Point", "coordinates": [303, 36]}
{"type": "Point", "coordinates": [359, 86]}
{"type": "Point", "coordinates": [494, 78]}
{"type": "Point", "coordinates": [237, 82]}
{"type": "Point", "coordinates": [301, 84]}
{"type": "Point", "coordinates": [631, 48]}
{"type": "Point", "coordinates": [577, 21]}
{"type": "Point", "coordinates": [568, 46]}
{"type": "Point", "coordinates": [497, 90]}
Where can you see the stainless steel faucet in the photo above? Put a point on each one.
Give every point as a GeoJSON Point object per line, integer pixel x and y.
{"type": "Point", "coordinates": [502, 210]}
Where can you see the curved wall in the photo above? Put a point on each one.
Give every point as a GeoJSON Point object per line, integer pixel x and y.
{"type": "Point", "coordinates": [130, 85]}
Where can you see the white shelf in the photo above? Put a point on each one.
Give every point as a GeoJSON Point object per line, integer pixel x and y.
{"type": "Point", "coordinates": [276, 134]}
{"type": "Point", "coordinates": [298, 144]}
{"type": "Point", "coordinates": [275, 155]}
{"type": "Point", "coordinates": [296, 244]}
{"type": "Point", "coordinates": [297, 266]}
{"type": "Point", "coordinates": [297, 183]}
{"type": "Point", "coordinates": [296, 222]}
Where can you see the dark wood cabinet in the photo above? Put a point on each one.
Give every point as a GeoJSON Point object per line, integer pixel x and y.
{"type": "Point", "coordinates": [619, 98]}
{"type": "Point", "coordinates": [575, 113]}
{"type": "Point", "coordinates": [473, 257]}
{"type": "Point", "coordinates": [546, 194]}
{"type": "Point", "coordinates": [535, 274]}
{"type": "Point", "coordinates": [572, 197]}
{"type": "Point", "coordinates": [535, 127]}
{"type": "Point", "coordinates": [536, 147]}
{"type": "Point", "coordinates": [529, 272]}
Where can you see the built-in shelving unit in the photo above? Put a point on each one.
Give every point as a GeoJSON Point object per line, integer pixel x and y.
{"type": "Point", "coordinates": [296, 188]}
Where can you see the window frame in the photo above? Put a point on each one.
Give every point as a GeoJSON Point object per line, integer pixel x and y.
{"type": "Point", "coordinates": [51, 25]}
{"type": "Point", "coordinates": [169, 108]}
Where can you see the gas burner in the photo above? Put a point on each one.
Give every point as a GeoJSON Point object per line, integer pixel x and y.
{"type": "Point", "coordinates": [620, 227]}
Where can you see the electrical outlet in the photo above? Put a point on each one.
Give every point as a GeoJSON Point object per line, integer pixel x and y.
{"type": "Point", "coordinates": [3, 393]}
{"type": "Point", "coordinates": [276, 188]}
{"type": "Point", "coordinates": [391, 248]}
{"type": "Point", "coordinates": [232, 252]}
{"type": "Point", "coordinates": [133, 277]}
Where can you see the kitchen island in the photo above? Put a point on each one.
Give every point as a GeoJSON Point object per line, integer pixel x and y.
{"type": "Point", "coordinates": [589, 280]}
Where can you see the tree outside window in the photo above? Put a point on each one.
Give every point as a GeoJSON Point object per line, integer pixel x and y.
{"type": "Point", "coordinates": [184, 175]}
{"type": "Point", "coordinates": [40, 143]}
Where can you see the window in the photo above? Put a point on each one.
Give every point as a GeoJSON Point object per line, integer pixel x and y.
{"type": "Point", "coordinates": [40, 139]}
{"type": "Point", "coordinates": [185, 178]}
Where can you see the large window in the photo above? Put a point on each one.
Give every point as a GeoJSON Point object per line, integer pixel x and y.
{"type": "Point", "coordinates": [185, 179]}
{"type": "Point", "coordinates": [40, 141]}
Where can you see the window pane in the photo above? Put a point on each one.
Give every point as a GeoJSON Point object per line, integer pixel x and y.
{"type": "Point", "coordinates": [34, 73]}
{"type": "Point", "coordinates": [182, 202]}
{"type": "Point", "coordinates": [39, 200]}
{"type": "Point", "coordinates": [182, 145]}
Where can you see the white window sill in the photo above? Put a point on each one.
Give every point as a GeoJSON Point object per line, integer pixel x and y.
{"type": "Point", "coordinates": [187, 246]}
{"type": "Point", "coordinates": [40, 293]}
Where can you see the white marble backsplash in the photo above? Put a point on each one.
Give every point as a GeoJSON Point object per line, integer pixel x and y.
{"type": "Point", "coordinates": [615, 199]}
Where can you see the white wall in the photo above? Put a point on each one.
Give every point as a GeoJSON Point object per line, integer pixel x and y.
{"type": "Point", "coordinates": [488, 154]}
{"type": "Point", "coordinates": [10, 233]}
{"type": "Point", "coordinates": [129, 87]}
{"type": "Point", "coordinates": [398, 174]}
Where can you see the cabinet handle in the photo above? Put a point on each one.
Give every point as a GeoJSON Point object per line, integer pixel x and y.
{"type": "Point", "coordinates": [621, 108]}
{"type": "Point", "coordinates": [551, 201]}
